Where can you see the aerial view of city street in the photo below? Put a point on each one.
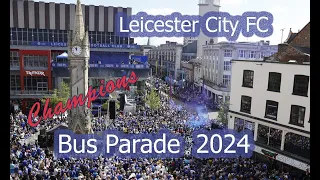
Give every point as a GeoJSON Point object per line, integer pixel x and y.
{"type": "Point", "coordinates": [113, 76]}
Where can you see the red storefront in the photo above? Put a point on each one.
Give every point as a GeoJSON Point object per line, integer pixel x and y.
{"type": "Point", "coordinates": [31, 76]}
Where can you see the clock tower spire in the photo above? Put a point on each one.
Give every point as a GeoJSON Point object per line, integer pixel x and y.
{"type": "Point", "coordinates": [79, 118]}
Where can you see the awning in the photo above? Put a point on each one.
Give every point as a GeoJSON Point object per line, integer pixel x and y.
{"type": "Point", "coordinates": [62, 56]}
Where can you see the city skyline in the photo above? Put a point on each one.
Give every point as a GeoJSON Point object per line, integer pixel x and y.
{"type": "Point", "coordinates": [284, 12]}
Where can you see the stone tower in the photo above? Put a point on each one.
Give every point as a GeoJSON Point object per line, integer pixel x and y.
{"type": "Point", "coordinates": [204, 7]}
{"type": "Point", "coordinates": [78, 54]}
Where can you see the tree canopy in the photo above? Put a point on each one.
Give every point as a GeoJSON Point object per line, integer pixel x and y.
{"type": "Point", "coordinates": [61, 94]}
{"type": "Point", "coordinates": [153, 100]}
{"type": "Point", "coordinates": [223, 112]}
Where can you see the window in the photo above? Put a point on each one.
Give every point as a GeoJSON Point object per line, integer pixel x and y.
{"type": "Point", "coordinates": [252, 54]}
{"type": "Point", "coordinates": [245, 104]}
{"type": "Point", "coordinates": [227, 66]}
{"type": "Point", "coordinates": [227, 53]}
{"type": "Point", "coordinates": [226, 80]}
{"type": "Point", "coordinates": [297, 115]}
{"type": "Point", "coordinates": [36, 83]}
{"type": "Point", "coordinates": [242, 53]}
{"type": "Point", "coordinates": [35, 61]}
{"type": "Point", "coordinates": [271, 110]}
{"type": "Point", "coordinates": [269, 136]}
{"type": "Point", "coordinates": [243, 126]}
{"type": "Point", "coordinates": [247, 79]}
{"type": "Point", "coordinates": [297, 144]}
{"type": "Point", "coordinates": [300, 86]}
{"type": "Point", "coordinates": [42, 86]}
{"type": "Point", "coordinates": [15, 82]}
{"type": "Point", "coordinates": [14, 59]}
{"type": "Point", "coordinates": [274, 83]}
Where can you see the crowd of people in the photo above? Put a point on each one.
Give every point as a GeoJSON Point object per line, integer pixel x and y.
{"type": "Point", "coordinates": [29, 161]}
{"type": "Point", "coordinates": [192, 95]}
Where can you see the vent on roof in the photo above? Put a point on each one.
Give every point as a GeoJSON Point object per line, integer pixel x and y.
{"type": "Point", "coordinates": [292, 61]}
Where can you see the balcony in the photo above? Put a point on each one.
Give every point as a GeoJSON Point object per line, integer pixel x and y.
{"type": "Point", "coordinates": [216, 86]}
{"type": "Point", "coordinates": [29, 94]}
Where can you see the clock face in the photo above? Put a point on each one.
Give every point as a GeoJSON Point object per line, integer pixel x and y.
{"type": "Point", "coordinates": [76, 50]}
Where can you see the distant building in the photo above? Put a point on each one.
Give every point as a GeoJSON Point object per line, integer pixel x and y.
{"type": "Point", "coordinates": [189, 51]}
{"type": "Point", "coordinates": [188, 70]}
{"type": "Point", "coordinates": [165, 59]}
{"type": "Point", "coordinates": [272, 99]}
{"type": "Point", "coordinates": [146, 48]}
{"type": "Point", "coordinates": [295, 48]}
{"type": "Point", "coordinates": [215, 66]}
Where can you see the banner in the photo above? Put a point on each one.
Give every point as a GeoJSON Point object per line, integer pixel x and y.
{"type": "Point", "coordinates": [35, 73]}
{"type": "Point", "coordinates": [128, 66]}
{"type": "Point", "coordinates": [97, 45]}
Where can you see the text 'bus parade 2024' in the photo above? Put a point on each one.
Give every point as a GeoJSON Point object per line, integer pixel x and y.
{"type": "Point", "coordinates": [78, 99]}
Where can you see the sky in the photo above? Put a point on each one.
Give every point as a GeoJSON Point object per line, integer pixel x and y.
{"type": "Point", "coordinates": [294, 14]}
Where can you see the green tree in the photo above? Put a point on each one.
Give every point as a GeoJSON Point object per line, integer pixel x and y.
{"type": "Point", "coordinates": [105, 105]}
{"type": "Point", "coordinates": [117, 104]}
{"type": "Point", "coordinates": [61, 94]}
{"type": "Point", "coordinates": [223, 112]}
{"type": "Point", "coordinates": [153, 100]}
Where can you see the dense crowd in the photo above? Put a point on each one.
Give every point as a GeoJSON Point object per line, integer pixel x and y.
{"type": "Point", "coordinates": [29, 161]}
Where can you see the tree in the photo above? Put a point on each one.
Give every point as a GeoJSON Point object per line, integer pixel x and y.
{"type": "Point", "coordinates": [153, 100]}
{"type": "Point", "coordinates": [61, 94]}
{"type": "Point", "coordinates": [105, 105]}
{"type": "Point", "coordinates": [223, 112]}
{"type": "Point", "coordinates": [117, 104]}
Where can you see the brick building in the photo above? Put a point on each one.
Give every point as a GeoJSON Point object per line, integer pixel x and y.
{"type": "Point", "coordinates": [296, 47]}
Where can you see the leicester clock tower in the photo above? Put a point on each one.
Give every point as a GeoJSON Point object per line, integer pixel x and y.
{"type": "Point", "coordinates": [79, 119]}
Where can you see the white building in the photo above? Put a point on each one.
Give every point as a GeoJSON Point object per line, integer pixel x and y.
{"type": "Point", "coordinates": [216, 64]}
{"type": "Point", "coordinates": [167, 58]}
{"type": "Point", "coordinates": [204, 7]}
{"type": "Point", "coordinates": [272, 99]}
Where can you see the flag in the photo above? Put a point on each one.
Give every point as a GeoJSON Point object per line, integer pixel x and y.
{"type": "Point", "coordinates": [156, 67]}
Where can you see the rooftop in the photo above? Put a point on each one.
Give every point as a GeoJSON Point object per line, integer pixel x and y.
{"type": "Point", "coordinates": [259, 61]}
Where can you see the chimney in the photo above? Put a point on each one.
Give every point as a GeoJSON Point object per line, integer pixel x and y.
{"type": "Point", "coordinates": [267, 42]}
{"type": "Point", "coordinates": [261, 42]}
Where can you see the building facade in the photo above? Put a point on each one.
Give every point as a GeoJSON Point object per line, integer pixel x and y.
{"type": "Point", "coordinates": [166, 59]}
{"type": "Point", "coordinates": [39, 33]}
{"type": "Point", "coordinates": [272, 99]}
{"type": "Point", "coordinates": [216, 65]}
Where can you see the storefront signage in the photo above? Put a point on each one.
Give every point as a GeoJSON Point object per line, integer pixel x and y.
{"type": "Point", "coordinates": [128, 66]}
{"type": "Point", "coordinates": [98, 45]}
{"type": "Point", "coordinates": [35, 73]}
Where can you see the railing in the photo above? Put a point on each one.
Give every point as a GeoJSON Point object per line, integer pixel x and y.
{"type": "Point", "coordinates": [216, 86]}
{"type": "Point", "coordinates": [29, 92]}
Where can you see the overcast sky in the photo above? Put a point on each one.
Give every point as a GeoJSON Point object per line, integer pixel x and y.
{"type": "Point", "coordinates": [294, 14]}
